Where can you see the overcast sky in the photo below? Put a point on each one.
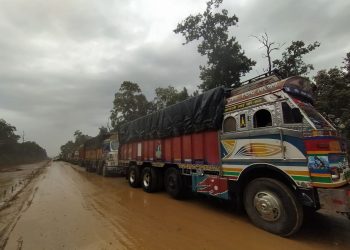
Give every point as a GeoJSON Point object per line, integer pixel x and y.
{"type": "Point", "coordinates": [61, 61]}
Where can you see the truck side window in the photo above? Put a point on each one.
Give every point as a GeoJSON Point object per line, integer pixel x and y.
{"type": "Point", "coordinates": [230, 124]}
{"type": "Point", "coordinates": [291, 115]}
{"type": "Point", "coordinates": [262, 118]}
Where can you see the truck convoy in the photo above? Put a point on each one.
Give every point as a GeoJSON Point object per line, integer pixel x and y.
{"type": "Point", "coordinates": [100, 154]}
{"type": "Point", "coordinates": [262, 145]}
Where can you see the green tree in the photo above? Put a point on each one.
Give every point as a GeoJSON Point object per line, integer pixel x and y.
{"type": "Point", "coordinates": [80, 138]}
{"type": "Point", "coordinates": [168, 96]}
{"type": "Point", "coordinates": [129, 104]}
{"type": "Point", "coordinates": [292, 62]}
{"type": "Point", "coordinates": [332, 97]}
{"type": "Point", "coordinates": [70, 146]}
{"type": "Point", "coordinates": [12, 152]}
{"type": "Point", "coordinates": [67, 148]}
{"type": "Point", "coordinates": [7, 132]}
{"type": "Point", "coordinates": [226, 59]}
{"type": "Point", "coordinates": [346, 67]}
{"type": "Point", "coordinates": [102, 130]}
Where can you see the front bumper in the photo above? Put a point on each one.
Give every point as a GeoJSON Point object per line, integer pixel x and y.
{"type": "Point", "coordinates": [335, 199]}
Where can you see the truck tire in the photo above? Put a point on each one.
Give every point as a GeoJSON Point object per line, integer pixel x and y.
{"type": "Point", "coordinates": [272, 206]}
{"type": "Point", "coordinates": [134, 176]}
{"type": "Point", "coordinates": [173, 183]}
{"type": "Point", "coordinates": [149, 180]}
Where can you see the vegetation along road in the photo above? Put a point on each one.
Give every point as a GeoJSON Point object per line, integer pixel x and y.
{"type": "Point", "coordinates": [68, 208]}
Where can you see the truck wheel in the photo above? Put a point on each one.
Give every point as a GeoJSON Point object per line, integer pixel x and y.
{"type": "Point", "coordinates": [173, 183]}
{"type": "Point", "coordinates": [149, 180]}
{"type": "Point", "coordinates": [134, 176]}
{"type": "Point", "coordinates": [272, 206]}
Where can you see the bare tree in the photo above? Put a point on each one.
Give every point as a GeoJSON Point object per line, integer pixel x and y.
{"type": "Point", "coordinates": [269, 47]}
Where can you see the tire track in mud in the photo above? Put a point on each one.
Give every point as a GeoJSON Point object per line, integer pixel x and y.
{"type": "Point", "coordinates": [92, 203]}
{"type": "Point", "coordinates": [13, 209]}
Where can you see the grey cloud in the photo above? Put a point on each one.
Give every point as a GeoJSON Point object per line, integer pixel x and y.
{"type": "Point", "coordinates": [62, 61]}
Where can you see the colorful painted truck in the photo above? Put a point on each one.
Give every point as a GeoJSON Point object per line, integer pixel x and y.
{"type": "Point", "coordinates": [100, 154]}
{"type": "Point", "coordinates": [262, 145]}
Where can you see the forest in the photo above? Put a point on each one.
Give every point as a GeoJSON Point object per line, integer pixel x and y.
{"type": "Point", "coordinates": [14, 152]}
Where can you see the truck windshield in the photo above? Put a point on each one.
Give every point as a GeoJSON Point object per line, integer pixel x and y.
{"type": "Point", "coordinates": [316, 118]}
{"type": "Point", "coordinates": [114, 145]}
{"type": "Point", "coordinates": [106, 146]}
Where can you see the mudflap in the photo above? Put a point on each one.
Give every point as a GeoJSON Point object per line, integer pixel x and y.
{"type": "Point", "coordinates": [337, 199]}
{"type": "Point", "coordinates": [211, 185]}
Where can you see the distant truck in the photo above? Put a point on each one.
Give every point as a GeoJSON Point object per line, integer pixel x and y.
{"type": "Point", "coordinates": [262, 145]}
{"type": "Point", "coordinates": [100, 154]}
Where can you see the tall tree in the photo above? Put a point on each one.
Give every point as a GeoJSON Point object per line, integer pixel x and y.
{"type": "Point", "coordinates": [269, 47]}
{"type": "Point", "coordinates": [332, 97]}
{"type": "Point", "coordinates": [129, 103]}
{"type": "Point", "coordinates": [102, 130]}
{"type": "Point", "coordinates": [346, 67]}
{"type": "Point", "coordinates": [226, 59]}
{"type": "Point", "coordinates": [7, 132]}
{"type": "Point", "coordinates": [292, 62]}
{"type": "Point", "coordinates": [67, 148]}
{"type": "Point", "coordinates": [80, 138]}
{"type": "Point", "coordinates": [168, 96]}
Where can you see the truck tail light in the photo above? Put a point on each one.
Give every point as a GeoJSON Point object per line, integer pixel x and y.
{"type": "Point", "coordinates": [323, 145]}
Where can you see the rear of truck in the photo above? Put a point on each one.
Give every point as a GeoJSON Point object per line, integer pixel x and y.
{"type": "Point", "coordinates": [328, 163]}
{"type": "Point", "coordinates": [327, 157]}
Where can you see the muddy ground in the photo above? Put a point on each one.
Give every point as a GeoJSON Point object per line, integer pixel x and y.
{"type": "Point", "coordinates": [12, 178]}
{"type": "Point", "coordinates": [67, 208]}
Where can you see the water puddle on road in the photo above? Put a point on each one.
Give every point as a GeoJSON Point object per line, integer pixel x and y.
{"type": "Point", "coordinates": [73, 209]}
{"type": "Point", "coordinates": [153, 221]}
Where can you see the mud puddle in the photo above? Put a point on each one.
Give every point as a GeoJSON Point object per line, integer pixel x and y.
{"type": "Point", "coordinates": [73, 209]}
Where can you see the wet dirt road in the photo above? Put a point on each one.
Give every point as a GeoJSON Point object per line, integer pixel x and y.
{"type": "Point", "coordinates": [72, 209]}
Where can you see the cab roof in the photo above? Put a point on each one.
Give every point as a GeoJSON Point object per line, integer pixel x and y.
{"type": "Point", "coordinates": [295, 86]}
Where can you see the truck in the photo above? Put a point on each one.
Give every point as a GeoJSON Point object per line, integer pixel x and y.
{"type": "Point", "coordinates": [262, 146]}
{"type": "Point", "coordinates": [100, 154]}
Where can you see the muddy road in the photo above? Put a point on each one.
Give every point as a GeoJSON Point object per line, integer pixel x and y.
{"type": "Point", "coordinates": [72, 209]}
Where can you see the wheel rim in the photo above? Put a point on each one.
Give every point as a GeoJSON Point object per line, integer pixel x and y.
{"type": "Point", "coordinates": [146, 179]}
{"type": "Point", "coordinates": [171, 182]}
{"type": "Point", "coordinates": [132, 176]}
{"type": "Point", "coordinates": [267, 205]}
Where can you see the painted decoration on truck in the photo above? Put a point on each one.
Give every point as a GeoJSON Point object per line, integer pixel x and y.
{"type": "Point", "coordinates": [262, 147]}
{"type": "Point", "coordinates": [212, 185]}
{"type": "Point", "coordinates": [318, 162]}
{"type": "Point", "coordinates": [158, 151]}
{"type": "Point", "coordinates": [233, 107]}
{"type": "Point", "coordinates": [266, 149]}
{"type": "Point", "coordinates": [227, 148]}
{"type": "Point", "coordinates": [259, 150]}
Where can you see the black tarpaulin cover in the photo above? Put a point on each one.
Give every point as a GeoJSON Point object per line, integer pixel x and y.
{"type": "Point", "coordinates": [200, 113]}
